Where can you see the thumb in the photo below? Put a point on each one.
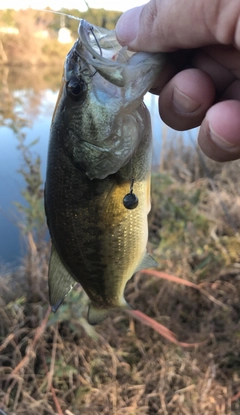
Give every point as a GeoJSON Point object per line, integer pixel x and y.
{"type": "Point", "coordinates": [147, 28]}
{"type": "Point", "coordinates": [164, 26]}
{"type": "Point", "coordinates": [127, 27]}
{"type": "Point", "coordinates": [141, 28]}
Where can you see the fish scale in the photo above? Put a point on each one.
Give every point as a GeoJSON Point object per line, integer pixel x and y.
{"type": "Point", "coordinates": [100, 139]}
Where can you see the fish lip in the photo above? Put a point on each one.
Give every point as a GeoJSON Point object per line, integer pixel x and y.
{"type": "Point", "coordinates": [112, 71]}
{"type": "Point", "coordinates": [121, 71]}
{"type": "Point", "coordinates": [85, 29]}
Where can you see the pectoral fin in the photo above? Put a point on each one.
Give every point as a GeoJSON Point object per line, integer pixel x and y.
{"type": "Point", "coordinates": [59, 280]}
{"type": "Point", "coordinates": [147, 262]}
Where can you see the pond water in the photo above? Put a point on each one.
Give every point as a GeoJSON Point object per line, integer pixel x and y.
{"type": "Point", "coordinates": [29, 96]}
{"type": "Point", "coordinates": [12, 246]}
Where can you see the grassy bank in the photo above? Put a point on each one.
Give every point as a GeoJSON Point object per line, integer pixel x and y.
{"type": "Point", "coordinates": [59, 364]}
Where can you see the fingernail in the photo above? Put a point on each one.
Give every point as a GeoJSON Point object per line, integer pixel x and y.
{"type": "Point", "coordinates": [183, 103]}
{"type": "Point", "coordinates": [220, 141]}
{"type": "Point", "coordinates": [127, 25]}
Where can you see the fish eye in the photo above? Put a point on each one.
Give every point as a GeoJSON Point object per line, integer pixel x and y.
{"type": "Point", "coordinates": [76, 88]}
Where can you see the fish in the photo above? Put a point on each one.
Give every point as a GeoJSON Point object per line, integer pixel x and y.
{"type": "Point", "coordinates": [97, 190]}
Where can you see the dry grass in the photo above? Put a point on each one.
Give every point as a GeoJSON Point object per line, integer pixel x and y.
{"type": "Point", "coordinates": [58, 364]}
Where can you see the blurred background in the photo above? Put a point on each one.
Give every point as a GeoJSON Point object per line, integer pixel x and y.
{"type": "Point", "coordinates": [33, 46]}
{"type": "Point", "coordinates": [125, 366]}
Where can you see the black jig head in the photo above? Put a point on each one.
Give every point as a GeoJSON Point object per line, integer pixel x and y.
{"type": "Point", "coordinates": [130, 201]}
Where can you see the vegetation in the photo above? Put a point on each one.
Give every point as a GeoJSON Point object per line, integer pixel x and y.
{"type": "Point", "coordinates": [178, 351]}
{"type": "Point", "coordinates": [30, 47]}
{"type": "Point", "coordinates": [59, 364]}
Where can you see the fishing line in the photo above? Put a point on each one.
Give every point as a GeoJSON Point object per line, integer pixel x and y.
{"type": "Point", "coordinates": [55, 12]}
{"type": "Point", "coordinates": [130, 200]}
{"type": "Point", "coordinates": [93, 28]}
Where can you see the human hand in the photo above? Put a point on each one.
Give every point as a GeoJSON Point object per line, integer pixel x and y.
{"type": "Point", "coordinates": [200, 84]}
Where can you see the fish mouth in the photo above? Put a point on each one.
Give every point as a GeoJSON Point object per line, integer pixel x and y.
{"type": "Point", "coordinates": [100, 42]}
{"type": "Point", "coordinates": [100, 48]}
{"type": "Point", "coordinates": [103, 52]}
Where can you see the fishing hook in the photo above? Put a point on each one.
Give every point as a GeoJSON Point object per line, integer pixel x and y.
{"type": "Point", "coordinates": [98, 45]}
{"type": "Point", "coordinates": [96, 40]}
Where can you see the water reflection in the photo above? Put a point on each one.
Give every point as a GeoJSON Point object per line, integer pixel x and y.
{"type": "Point", "coordinates": [27, 99]}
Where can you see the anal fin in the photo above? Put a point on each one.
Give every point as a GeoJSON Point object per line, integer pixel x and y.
{"type": "Point", "coordinates": [60, 281]}
{"type": "Point", "coordinates": [147, 262]}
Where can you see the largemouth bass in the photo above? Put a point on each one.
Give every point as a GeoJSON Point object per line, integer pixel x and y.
{"type": "Point", "coordinates": [99, 152]}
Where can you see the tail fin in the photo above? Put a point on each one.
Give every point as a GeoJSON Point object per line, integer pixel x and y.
{"type": "Point", "coordinates": [96, 314]}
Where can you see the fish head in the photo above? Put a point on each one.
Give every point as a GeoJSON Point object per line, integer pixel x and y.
{"type": "Point", "coordinates": [100, 108]}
